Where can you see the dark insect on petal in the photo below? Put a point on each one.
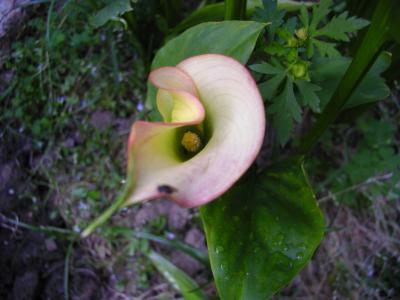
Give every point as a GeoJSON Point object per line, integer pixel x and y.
{"type": "Point", "coordinates": [166, 189]}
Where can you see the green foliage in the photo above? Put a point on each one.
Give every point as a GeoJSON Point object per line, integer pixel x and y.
{"type": "Point", "coordinates": [394, 21]}
{"type": "Point", "coordinates": [139, 244]}
{"type": "Point", "coordinates": [338, 29]}
{"type": "Point", "coordinates": [366, 55]}
{"type": "Point", "coordinates": [285, 107]}
{"type": "Point", "coordinates": [269, 14]}
{"type": "Point", "coordinates": [112, 10]}
{"type": "Point", "coordinates": [216, 11]}
{"type": "Point", "coordinates": [289, 85]}
{"type": "Point", "coordinates": [367, 168]}
{"type": "Point", "coordinates": [327, 72]}
{"type": "Point", "coordinates": [262, 232]}
{"type": "Point", "coordinates": [60, 81]}
{"type": "Point", "coordinates": [66, 75]}
{"type": "Point", "coordinates": [233, 38]}
{"type": "Point", "coordinates": [177, 278]}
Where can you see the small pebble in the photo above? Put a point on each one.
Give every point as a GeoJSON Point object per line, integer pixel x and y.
{"type": "Point", "coordinates": [50, 245]}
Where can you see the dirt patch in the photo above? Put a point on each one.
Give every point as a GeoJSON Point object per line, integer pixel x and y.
{"type": "Point", "coordinates": [101, 119]}
{"type": "Point", "coordinates": [32, 263]}
{"type": "Point", "coordinates": [176, 216]}
{"type": "Point", "coordinates": [11, 15]}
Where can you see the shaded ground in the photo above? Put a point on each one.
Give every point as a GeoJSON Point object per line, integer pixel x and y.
{"type": "Point", "coordinates": [33, 263]}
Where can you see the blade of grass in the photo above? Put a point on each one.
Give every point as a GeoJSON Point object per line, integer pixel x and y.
{"type": "Point", "coordinates": [176, 277]}
{"type": "Point", "coordinates": [197, 254]}
{"type": "Point", "coordinates": [51, 230]}
{"type": "Point", "coordinates": [66, 269]}
{"type": "Point", "coordinates": [48, 24]}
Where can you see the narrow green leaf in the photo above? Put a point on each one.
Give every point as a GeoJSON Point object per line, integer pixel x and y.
{"type": "Point", "coordinates": [275, 48]}
{"type": "Point", "coordinates": [320, 11]}
{"type": "Point", "coordinates": [200, 256]}
{"type": "Point", "coordinates": [176, 277]}
{"type": "Point", "coordinates": [304, 19]}
{"type": "Point", "coordinates": [269, 88]}
{"type": "Point", "coordinates": [262, 232]}
{"type": "Point", "coordinates": [265, 68]}
{"type": "Point", "coordinates": [232, 38]}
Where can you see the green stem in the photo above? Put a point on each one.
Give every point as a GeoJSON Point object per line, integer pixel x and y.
{"type": "Point", "coordinates": [172, 11]}
{"type": "Point", "coordinates": [134, 39]}
{"type": "Point", "coordinates": [376, 36]}
{"type": "Point", "coordinates": [66, 269]}
{"type": "Point", "coordinates": [51, 230]}
{"type": "Point", "coordinates": [107, 213]}
{"type": "Point", "coordinates": [235, 9]}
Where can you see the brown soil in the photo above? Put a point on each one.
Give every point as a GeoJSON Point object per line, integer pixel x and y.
{"type": "Point", "coordinates": [33, 263]}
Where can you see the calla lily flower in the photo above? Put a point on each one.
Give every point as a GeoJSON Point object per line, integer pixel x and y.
{"type": "Point", "coordinates": [213, 128]}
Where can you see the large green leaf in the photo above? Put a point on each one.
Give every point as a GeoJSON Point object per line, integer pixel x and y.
{"type": "Point", "coordinates": [262, 232]}
{"type": "Point", "coordinates": [232, 38]}
{"type": "Point", "coordinates": [329, 71]}
{"type": "Point", "coordinates": [177, 278]}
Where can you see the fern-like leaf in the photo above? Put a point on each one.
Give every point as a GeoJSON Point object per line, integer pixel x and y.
{"type": "Point", "coordinates": [339, 27]}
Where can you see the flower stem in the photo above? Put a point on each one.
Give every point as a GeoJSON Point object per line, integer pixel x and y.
{"type": "Point", "coordinates": [107, 213]}
{"type": "Point", "coordinates": [235, 9]}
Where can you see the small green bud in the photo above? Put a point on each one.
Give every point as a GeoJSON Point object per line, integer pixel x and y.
{"type": "Point", "coordinates": [299, 70]}
{"type": "Point", "coordinates": [302, 33]}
